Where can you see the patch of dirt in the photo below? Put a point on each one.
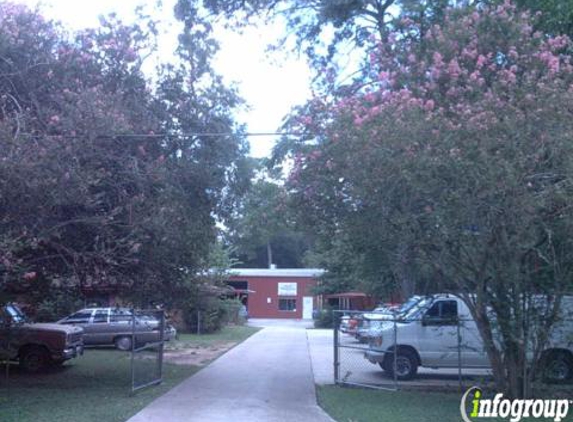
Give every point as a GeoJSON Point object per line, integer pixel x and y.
{"type": "Point", "coordinates": [197, 356]}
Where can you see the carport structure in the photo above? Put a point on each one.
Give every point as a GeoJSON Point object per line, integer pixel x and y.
{"type": "Point", "coordinates": [351, 301]}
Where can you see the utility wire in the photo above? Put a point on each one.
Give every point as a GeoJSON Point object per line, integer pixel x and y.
{"type": "Point", "coordinates": [166, 135]}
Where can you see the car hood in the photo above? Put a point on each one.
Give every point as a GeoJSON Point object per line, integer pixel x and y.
{"type": "Point", "coordinates": [45, 326]}
{"type": "Point", "coordinates": [379, 316]}
{"type": "Point", "coordinates": [387, 326]}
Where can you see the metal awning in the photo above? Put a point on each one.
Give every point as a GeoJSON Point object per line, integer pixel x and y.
{"type": "Point", "coordinates": [244, 291]}
{"type": "Point", "coordinates": [349, 295]}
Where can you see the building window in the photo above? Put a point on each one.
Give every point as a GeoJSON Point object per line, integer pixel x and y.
{"type": "Point", "coordinates": [287, 305]}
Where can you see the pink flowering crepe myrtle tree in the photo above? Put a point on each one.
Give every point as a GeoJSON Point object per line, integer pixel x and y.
{"type": "Point", "coordinates": [455, 158]}
{"type": "Point", "coordinates": [89, 196]}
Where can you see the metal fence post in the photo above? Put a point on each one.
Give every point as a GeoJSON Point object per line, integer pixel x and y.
{"type": "Point", "coordinates": [395, 353]}
{"type": "Point", "coordinates": [525, 362]}
{"type": "Point", "coordinates": [132, 351]}
{"type": "Point", "coordinates": [336, 356]}
{"type": "Point", "coordinates": [459, 355]}
{"type": "Point", "coordinates": [161, 345]}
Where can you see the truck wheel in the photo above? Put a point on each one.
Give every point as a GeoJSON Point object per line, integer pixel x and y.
{"type": "Point", "coordinates": [557, 367]}
{"type": "Point", "coordinates": [123, 343]}
{"type": "Point", "coordinates": [33, 359]}
{"type": "Point", "coordinates": [406, 365]}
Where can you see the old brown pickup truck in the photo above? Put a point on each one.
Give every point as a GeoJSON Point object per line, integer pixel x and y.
{"type": "Point", "coordinates": [36, 345]}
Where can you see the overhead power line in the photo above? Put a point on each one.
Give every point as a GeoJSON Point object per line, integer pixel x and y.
{"type": "Point", "coordinates": [167, 135]}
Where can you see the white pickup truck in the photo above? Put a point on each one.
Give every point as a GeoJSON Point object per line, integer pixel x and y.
{"type": "Point", "coordinates": [428, 336]}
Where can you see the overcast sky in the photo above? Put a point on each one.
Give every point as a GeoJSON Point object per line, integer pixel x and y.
{"type": "Point", "coordinates": [271, 85]}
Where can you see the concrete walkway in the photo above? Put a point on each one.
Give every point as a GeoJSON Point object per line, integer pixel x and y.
{"type": "Point", "coordinates": [266, 378]}
{"type": "Point", "coordinates": [320, 345]}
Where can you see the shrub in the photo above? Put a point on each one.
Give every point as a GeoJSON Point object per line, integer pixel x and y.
{"type": "Point", "coordinates": [324, 318]}
{"type": "Point", "coordinates": [56, 305]}
{"type": "Point", "coordinates": [211, 314]}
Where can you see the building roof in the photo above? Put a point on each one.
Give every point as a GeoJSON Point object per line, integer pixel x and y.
{"type": "Point", "coordinates": [278, 272]}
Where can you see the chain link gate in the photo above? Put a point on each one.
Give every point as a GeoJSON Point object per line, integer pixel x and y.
{"type": "Point", "coordinates": [148, 335]}
{"type": "Point", "coordinates": [350, 366]}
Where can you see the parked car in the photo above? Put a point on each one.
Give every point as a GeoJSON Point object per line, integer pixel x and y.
{"type": "Point", "coordinates": [36, 345]}
{"type": "Point", "coordinates": [428, 337]}
{"type": "Point", "coordinates": [349, 323]}
{"type": "Point", "coordinates": [114, 326]}
{"type": "Point", "coordinates": [369, 326]}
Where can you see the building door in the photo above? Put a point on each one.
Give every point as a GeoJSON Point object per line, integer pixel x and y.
{"type": "Point", "coordinates": [307, 307]}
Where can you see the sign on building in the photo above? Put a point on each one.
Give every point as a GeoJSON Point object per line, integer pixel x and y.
{"type": "Point", "coordinates": [287, 289]}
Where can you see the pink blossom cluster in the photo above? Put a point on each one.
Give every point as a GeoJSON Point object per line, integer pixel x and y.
{"type": "Point", "coordinates": [461, 77]}
{"type": "Point", "coordinates": [454, 74]}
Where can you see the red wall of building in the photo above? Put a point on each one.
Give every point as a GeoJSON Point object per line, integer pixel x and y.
{"type": "Point", "coordinates": [267, 287]}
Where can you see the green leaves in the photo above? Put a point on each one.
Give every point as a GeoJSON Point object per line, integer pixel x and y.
{"type": "Point", "coordinates": [103, 182]}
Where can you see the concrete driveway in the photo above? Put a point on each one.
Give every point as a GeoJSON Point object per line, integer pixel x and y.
{"type": "Point", "coordinates": [270, 323]}
{"type": "Point", "coordinates": [266, 378]}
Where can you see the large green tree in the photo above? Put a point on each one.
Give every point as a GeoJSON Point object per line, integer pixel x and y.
{"type": "Point", "coordinates": [263, 232]}
{"type": "Point", "coordinates": [109, 180]}
{"type": "Point", "coordinates": [454, 165]}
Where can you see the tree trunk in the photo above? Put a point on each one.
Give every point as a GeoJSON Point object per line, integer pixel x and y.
{"type": "Point", "coordinates": [269, 254]}
{"type": "Point", "coordinates": [480, 316]}
{"type": "Point", "coordinates": [508, 360]}
{"type": "Point", "coordinates": [407, 281]}
{"type": "Point", "coordinates": [515, 377]}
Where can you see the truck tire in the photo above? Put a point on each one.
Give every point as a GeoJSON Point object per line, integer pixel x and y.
{"type": "Point", "coordinates": [406, 365]}
{"type": "Point", "coordinates": [123, 343]}
{"type": "Point", "coordinates": [557, 367]}
{"type": "Point", "coordinates": [33, 359]}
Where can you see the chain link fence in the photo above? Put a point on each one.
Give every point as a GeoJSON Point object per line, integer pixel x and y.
{"type": "Point", "coordinates": [148, 335]}
{"type": "Point", "coordinates": [442, 354]}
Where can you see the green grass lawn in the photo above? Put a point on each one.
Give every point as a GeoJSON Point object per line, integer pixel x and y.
{"type": "Point", "coordinates": [96, 386]}
{"type": "Point", "coordinates": [366, 405]}
{"type": "Point", "coordinates": [226, 335]}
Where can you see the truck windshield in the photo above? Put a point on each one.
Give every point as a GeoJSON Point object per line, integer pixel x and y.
{"type": "Point", "coordinates": [414, 312]}
{"type": "Point", "coordinates": [16, 314]}
{"type": "Point", "coordinates": [409, 304]}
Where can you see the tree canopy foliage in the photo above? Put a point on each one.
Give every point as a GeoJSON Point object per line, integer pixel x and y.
{"type": "Point", "coordinates": [450, 167]}
{"type": "Point", "coordinates": [109, 180]}
{"type": "Point", "coordinates": [328, 31]}
{"type": "Point", "coordinates": [263, 231]}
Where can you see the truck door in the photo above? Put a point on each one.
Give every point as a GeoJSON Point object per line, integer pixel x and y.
{"type": "Point", "coordinates": [439, 335]}
{"type": "Point", "coordinates": [473, 351]}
